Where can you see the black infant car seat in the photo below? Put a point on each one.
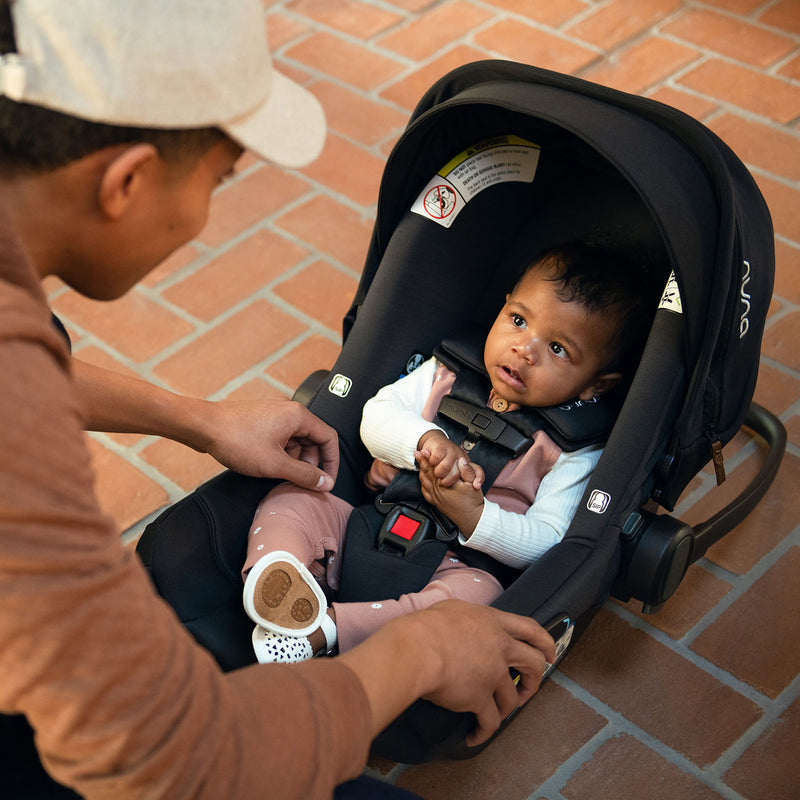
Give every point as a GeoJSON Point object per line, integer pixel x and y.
{"type": "Point", "coordinates": [498, 161]}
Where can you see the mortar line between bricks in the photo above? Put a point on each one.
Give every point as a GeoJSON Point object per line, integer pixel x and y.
{"type": "Point", "coordinates": [134, 459]}
{"type": "Point", "coordinates": [752, 20]}
{"type": "Point", "coordinates": [682, 651]}
{"type": "Point", "coordinates": [780, 237]}
{"type": "Point", "coordinates": [740, 585]}
{"type": "Point", "coordinates": [553, 785]}
{"type": "Point", "coordinates": [751, 735]}
{"type": "Point", "coordinates": [623, 725]}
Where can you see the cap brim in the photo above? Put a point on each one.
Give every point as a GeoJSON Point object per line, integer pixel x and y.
{"type": "Point", "coordinates": [288, 129]}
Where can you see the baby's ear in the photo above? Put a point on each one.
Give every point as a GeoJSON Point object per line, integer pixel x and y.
{"type": "Point", "coordinates": [600, 385]}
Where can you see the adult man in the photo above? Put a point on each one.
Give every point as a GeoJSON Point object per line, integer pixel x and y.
{"type": "Point", "coordinates": [118, 120]}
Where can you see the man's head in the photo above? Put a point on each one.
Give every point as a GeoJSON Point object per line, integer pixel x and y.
{"type": "Point", "coordinates": [158, 66]}
{"type": "Point", "coordinates": [119, 118]}
{"type": "Point", "coordinates": [572, 327]}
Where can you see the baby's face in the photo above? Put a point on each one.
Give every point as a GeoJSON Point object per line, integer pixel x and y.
{"type": "Point", "coordinates": [543, 352]}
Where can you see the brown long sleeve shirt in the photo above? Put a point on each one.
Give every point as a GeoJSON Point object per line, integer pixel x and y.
{"type": "Point", "coordinates": [123, 702]}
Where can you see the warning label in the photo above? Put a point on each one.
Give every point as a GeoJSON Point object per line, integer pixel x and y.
{"type": "Point", "coordinates": [496, 160]}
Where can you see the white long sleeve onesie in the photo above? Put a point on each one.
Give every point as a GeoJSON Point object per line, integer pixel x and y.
{"type": "Point", "coordinates": [391, 427]}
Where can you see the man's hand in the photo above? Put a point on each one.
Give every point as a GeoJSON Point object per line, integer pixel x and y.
{"type": "Point", "coordinates": [457, 655]}
{"type": "Point", "coordinates": [263, 438]}
{"type": "Point", "coordinates": [273, 439]}
{"type": "Point", "coordinates": [479, 680]}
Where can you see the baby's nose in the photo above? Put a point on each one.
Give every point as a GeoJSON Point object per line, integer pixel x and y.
{"type": "Point", "coordinates": [527, 348]}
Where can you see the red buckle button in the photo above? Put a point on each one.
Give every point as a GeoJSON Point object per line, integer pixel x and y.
{"type": "Point", "coordinates": [405, 527]}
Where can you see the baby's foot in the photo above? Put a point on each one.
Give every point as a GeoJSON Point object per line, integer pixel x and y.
{"type": "Point", "coordinates": [281, 595]}
{"type": "Point", "coordinates": [271, 647]}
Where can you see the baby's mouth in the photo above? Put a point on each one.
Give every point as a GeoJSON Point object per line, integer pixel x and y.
{"type": "Point", "coordinates": [512, 377]}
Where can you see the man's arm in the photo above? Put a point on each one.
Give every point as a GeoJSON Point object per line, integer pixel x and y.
{"type": "Point", "coordinates": [264, 438]}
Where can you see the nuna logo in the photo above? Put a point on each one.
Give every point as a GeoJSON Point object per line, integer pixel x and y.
{"type": "Point", "coordinates": [744, 299]}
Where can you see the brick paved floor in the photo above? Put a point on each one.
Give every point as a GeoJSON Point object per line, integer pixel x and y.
{"type": "Point", "coordinates": [698, 701]}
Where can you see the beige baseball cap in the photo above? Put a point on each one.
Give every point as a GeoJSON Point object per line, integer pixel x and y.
{"type": "Point", "coordinates": [162, 64]}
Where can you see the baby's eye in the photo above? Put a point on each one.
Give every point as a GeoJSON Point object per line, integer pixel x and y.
{"type": "Point", "coordinates": [559, 350]}
{"type": "Point", "coordinates": [518, 320]}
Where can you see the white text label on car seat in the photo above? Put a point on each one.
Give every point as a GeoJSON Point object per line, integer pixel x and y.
{"type": "Point", "coordinates": [744, 298]}
{"type": "Point", "coordinates": [496, 160]}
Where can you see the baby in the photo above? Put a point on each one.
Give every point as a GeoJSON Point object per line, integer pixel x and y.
{"type": "Point", "coordinates": [570, 329]}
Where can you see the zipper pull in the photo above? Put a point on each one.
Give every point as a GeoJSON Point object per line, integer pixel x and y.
{"type": "Point", "coordinates": [717, 458]}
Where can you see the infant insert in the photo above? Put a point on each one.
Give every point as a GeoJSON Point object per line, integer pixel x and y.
{"type": "Point", "coordinates": [498, 162]}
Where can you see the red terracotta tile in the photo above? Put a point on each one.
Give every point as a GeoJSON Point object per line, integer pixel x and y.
{"type": "Point", "coordinates": [791, 69]}
{"type": "Point", "coordinates": [765, 527]}
{"type": "Point", "coordinates": [756, 638]}
{"type": "Point", "coordinates": [770, 769]}
{"type": "Point", "coordinates": [784, 14]}
{"type": "Point", "coordinates": [793, 430]}
{"type": "Point", "coordinates": [407, 91]}
{"type": "Point", "coordinates": [348, 169]}
{"type": "Point", "coordinates": [122, 490]}
{"type": "Point", "coordinates": [345, 61]}
{"type": "Point", "coordinates": [292, 71]}
{"type": "Point", "coordinates": [321, 291]}
{"type": "Point", "coordinates": [776, 390]}
{"type": "Point", "coordinates": [228, 349]}
{"type": "Point", "coordinates": [133, 325]}
{"type": "Point", "coordinates": [247, 200]}
{"type": "Point", "coordinates": [620, 20]}
{"type": "Point", "coordinates": [642, 65]}
{"type": "Point", "coordinates": [697, 594]}
{"type": "Point", "coordinates": [690, 104]}
{"type": "Point", "coordinates": [182, 465]}
{"type": "Point", "coordinates": [730, 37]}
{"type": "Point", "coordinates": [736, 6]}
{"type": "Point", "coordinates": [524, 754]}
{"type": "Point", "coordinates": [749, 89]}
{"type": "Point", "coordinates": [332, 228]}
{"type": "Point", "coordinates": [362, 20]}
{"type": "Point", "coordinates": [658, 690]}
{"type": "Point", "coordinates": [235, 275]}
{"type": "Point", "coordinates": [256, 389]}
{"type": "Point", "coordinates": [553, 13]}
{"type": "Point", "coordinates": [609, 774]}
{"type": "Point", "coordinates": [775, 150]}
{"type": "Point", "coordinates": [780, 340]}
{"type": "Point", "coordinates": [358, 117]}
{"type": "Point", "coordinates": [784, 206]}
{"type": "Point", "coordinates": [529, 45]}
{"type": "Point", "coordinates": [413, 5]}
{"type": "Point", "coordinates": [53, 286]}
{"type": "Point", "coordinates": [311, 354]}
{"type": "Point", "coordinates": [282, 29]}
{"type": "Point", "coordinates": [436, 29]}
{"type": "Point", "coordinates": [172, 264]}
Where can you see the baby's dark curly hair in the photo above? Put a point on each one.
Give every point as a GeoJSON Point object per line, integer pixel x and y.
{"type": "Point", "coordinates": [604, 282]}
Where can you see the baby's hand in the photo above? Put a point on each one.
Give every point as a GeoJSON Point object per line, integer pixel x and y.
{"type": "Point", "coordinates": [447, 461]}
{"type": "Point", "coordinates": [461, 501]}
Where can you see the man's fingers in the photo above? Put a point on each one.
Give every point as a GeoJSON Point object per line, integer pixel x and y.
{"type": "Point", "coordinates": [303, 474]}
{"type": "Point", "coordinates": [314, 430]}
{"type": "Point", "coordinates": [488, 720]}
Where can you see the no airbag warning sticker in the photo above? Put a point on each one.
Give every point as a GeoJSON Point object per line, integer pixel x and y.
{"type": "Point", "coordinates": [492, 161]}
